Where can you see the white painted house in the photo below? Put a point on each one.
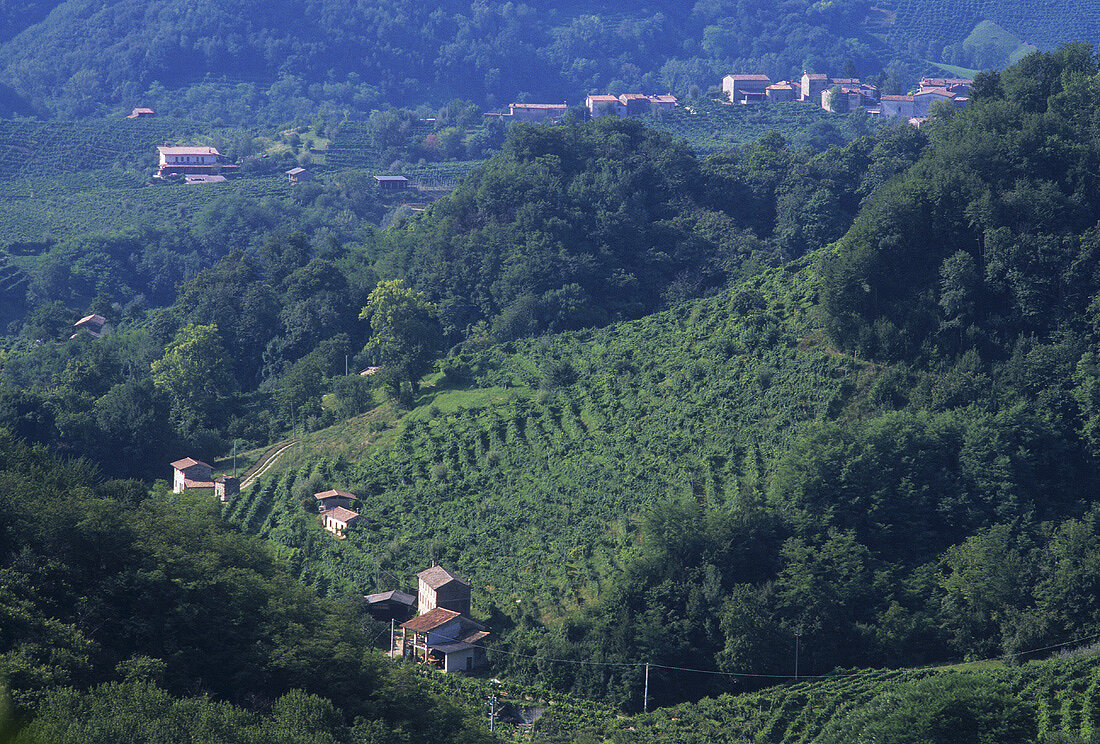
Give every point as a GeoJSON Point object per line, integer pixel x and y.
{"type": "Point", "coordinates": [170, 156]}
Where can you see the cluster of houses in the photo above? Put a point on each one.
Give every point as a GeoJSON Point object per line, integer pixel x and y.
{"type": "Point", "coordinates": [847, 94]}
{"type": "Point", "coordinates": [442, 634]}
{"type": "Point", "coordinates": [627, 104]}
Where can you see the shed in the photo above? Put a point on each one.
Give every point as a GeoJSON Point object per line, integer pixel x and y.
{"type": "Point", "coordinates": [391, 605]}
{"type": "Point", "coordinates": [226, 486]}
{"type": "Point", "coordinates": [331, 499]}
{"type": "Point", "coordinates": [140, 113]}
{"type": "Point", "coordinates": [391, 183]}
{"type": "Point", "coordinates": [299, 175]}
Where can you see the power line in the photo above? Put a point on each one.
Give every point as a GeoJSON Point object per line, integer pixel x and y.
{"type": "Point", "coordinates": [755, 675]}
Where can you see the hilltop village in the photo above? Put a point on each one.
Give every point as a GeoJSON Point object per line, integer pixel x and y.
{"type": "Point", "coordinates": [848, 94]}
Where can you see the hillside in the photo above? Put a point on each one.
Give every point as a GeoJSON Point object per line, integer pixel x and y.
{"type": "Point", "coordinates": [1056, 700]}
{"type": "Point", "coordinates": [248, 60]}
{"type": "Point", "coordinates": [879, 445]}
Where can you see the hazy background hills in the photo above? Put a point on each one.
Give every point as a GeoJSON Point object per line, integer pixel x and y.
{"type": "Point", "coordinates": [245, 59]}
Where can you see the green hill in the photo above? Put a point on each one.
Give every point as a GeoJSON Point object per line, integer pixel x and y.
{"type": "Point", "coordinates": [935, 25]}
{"type": "Point", "coordinates": [242, 60]}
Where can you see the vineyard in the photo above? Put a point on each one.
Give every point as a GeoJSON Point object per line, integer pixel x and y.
{"type": "Point", "coordinates": [1045, 24]}
{"type": "Point", "coordinates": [40, 209]}
{"type": "Point", "coordinates": [532, 489]}
{"type": "Point", "coordinates": [1063, 693]}
{"type": "Point", "coordinates": [35, 149]}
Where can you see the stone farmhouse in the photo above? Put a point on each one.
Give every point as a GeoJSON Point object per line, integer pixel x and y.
{"type": "Point", "coordinates": [746, 88]}
{"type": "Point", "coordinates": [540, 113]}
{"type": "Point", "coordinates": [442, 634]}
{"type": "Point", "coordinates": [628, 104]}
{"type": "Point", "coordinates": [852, 96]}
{"type": "Point", "coordinates": [191, 473]}
{"type": "Point", "coordinates": [331, 499]}
{"type": "Point", "coordinates": [338, 519]}
{"type": "Point", "coordinates": [916, 106]}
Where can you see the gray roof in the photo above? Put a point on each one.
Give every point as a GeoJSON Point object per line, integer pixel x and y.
{"type": "Point", "coordinates": [437, 576]}
{"type": "Point", "coordinates": [390, 178]}
{"type": "Point", "coordinates": [393, 595]}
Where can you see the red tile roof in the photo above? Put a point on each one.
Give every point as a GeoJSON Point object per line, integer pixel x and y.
{"type": "Point", "coordinates": [935, 92]}
{"type": "Point", "coordinates": [758, 78]}
{"type": "Point", "coordinates": [331, 494]}
{"type": "Point", "coordinates": [430, 620]}
{"type": "Point", "coordinates": [896, 98]}
{"type": "Point", "coordinates": [340, 514]}
{"type": "Point", "coordinates": [188, 462]}
{"type": "Point", "coordinates": [93, 319]}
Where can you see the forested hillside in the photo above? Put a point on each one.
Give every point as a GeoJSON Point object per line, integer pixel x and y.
{"type": "Point", "coordinates": [886, 446]}
{"type": "Point", "coordinates": [245, 59]}
{"type": "Point", "coordinates": [130, 616]}
{"type": "Point", "coordinates": [658, 408]}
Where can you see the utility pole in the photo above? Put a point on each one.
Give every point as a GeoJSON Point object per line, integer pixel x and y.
{"type": "Point", "coordinates": [234, 458]}
{"type": "Point", "coordinates": [797, 636]}
{"type": "Point", "coordinates": [492, 712]}
{"type": "Point", "coordinates": [345, 365]}
{"type": "Point", "coordinates": [391, 637]}
{"type": "Point", "coordinates": [645, 693]}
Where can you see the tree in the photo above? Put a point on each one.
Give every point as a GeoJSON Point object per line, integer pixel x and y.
{"type": "Point", "coordinates": [195, 373]}
{"type": "Point", "coordinates": [404, 334]}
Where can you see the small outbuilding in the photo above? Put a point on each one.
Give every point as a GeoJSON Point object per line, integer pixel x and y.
{"type": "Point", "coordinates": [226, 486]}
{"type": "Point", "coordinates": [392, 183]}
{"type": "Point", "coordinates": [331, 499]}
{"type": "Point", "coordinates": [95, 325]}
{"type": "Point", "coordinates": [141, 113]}
{"type": "Point", "coordinates": [200, 178]}
{"type": "Point", "coordinates": [391, 605]}
{"type": "Point", "coordinates": [299, 175]}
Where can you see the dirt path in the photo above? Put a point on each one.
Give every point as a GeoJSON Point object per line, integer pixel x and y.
{"type": "Point", "coordinates": [266, 462]}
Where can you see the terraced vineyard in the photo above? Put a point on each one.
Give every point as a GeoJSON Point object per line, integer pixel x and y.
{"type": "Point", "coordinates": [32, 149]}
{"type": "Point", "coordinates": [1045, 24]}
{"type": "Point", "coordinates": [539, 490]}
{"type": "Point", "coordinates": [42, 208]}
{"type": "Point", "coordinates": [1063, 693]}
